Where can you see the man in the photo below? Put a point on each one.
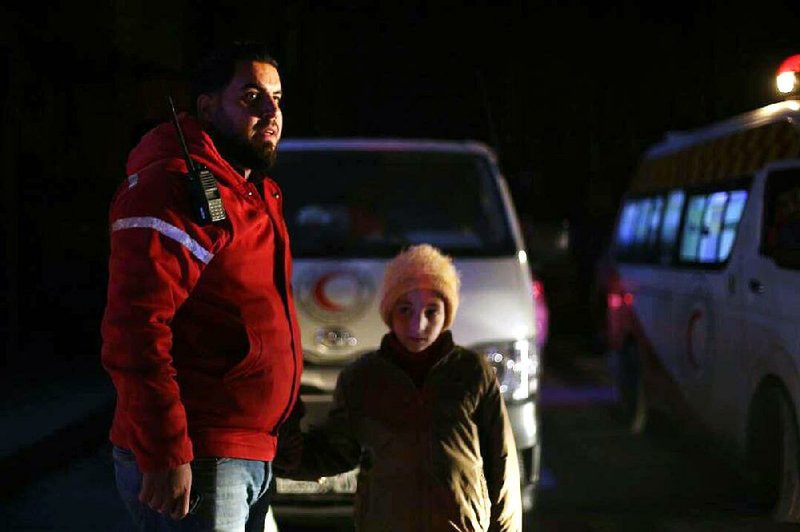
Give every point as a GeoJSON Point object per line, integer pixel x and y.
{"type": "Point", "coordinates": [199, 333]}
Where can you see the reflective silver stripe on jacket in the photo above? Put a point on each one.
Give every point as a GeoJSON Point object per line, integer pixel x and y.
{"type": "Point", "coordinates": [169, 231]}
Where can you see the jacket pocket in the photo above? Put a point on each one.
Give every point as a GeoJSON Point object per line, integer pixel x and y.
{"type": "Point", "coordinates": [251, 360]}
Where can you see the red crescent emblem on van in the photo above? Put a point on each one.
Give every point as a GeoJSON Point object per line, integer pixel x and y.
{"type": "Point", "coordinates": [335, 296]}
{"type": "Point", "coordinates": [321, 298]}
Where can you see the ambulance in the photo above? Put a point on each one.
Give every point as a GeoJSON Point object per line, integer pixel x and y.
{"type": "Point", "coordinates": [704, 299]}
{"type": "Point", "coordinates": [350, 206]}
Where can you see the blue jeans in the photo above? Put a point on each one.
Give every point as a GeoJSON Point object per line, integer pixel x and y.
{"type": "Point", "coordinates": [228, 494]}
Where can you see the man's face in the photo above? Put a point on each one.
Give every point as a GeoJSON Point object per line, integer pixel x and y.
{"type": "Point", "coordinates": [246, 114]}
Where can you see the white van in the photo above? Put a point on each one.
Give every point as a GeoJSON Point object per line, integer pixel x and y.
{"type": "Point", "coordinates": [704, 304]}
{"type": "Point", "coordinates": [350, 206]}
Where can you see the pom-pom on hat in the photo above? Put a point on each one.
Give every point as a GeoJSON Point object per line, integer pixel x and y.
{"type": "Point", "coordinates": [420, 267]}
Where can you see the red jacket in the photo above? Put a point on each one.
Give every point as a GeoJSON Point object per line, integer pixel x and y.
{"type": "Point", "coordinates": [199, 333]}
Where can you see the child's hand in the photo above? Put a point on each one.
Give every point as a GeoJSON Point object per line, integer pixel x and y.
{"type": "Point", "coordinates": [290, 450]}
{"type": "Point", "coordinates": [290, 441]}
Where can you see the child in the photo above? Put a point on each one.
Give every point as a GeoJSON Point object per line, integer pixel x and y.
{"type": "Point", "coordinates": [422, 417]}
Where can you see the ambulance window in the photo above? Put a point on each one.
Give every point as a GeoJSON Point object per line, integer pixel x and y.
{"type": "Point", "coordinates": [781, 235]}
{"type": "Point", "coordinates": [693, 228]}
{"type": "Point", "coordinates": [626, 225]}
{"type": "Point", "coordinates": [655, 221]}
{"type": "Point", "coordinates": [712, 227]}
{"type": "Point", "coordinates": [733, 213]}
{"type": "Point", "coordinates": [711, 224]}
{"type": "Point", "coordinates": [643, 222]}
{"type": "Point", "coordinates": [672, 221]}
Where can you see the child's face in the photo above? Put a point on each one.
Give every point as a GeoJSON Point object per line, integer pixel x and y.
{"type": "Point", "coordinates": [417, 319]}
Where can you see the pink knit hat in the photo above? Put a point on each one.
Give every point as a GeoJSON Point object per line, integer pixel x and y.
{"type": "Point", "coordinates": [420, 267]}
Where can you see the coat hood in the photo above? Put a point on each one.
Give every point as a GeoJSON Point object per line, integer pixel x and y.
{"type": "Point", "coordinates": [162, 143]}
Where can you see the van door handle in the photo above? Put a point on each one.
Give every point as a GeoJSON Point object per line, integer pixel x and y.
{"type": "Point", "coordinates": [756, 286]}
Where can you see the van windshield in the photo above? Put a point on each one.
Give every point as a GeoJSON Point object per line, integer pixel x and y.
{"type": "Point", "coordinates": [349, 203]}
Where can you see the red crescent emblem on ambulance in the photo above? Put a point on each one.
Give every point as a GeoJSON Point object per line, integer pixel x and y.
{"type": "Point", "coordinates": [321, 298]}
{"type": "Point", "coordinates": [334, 295]}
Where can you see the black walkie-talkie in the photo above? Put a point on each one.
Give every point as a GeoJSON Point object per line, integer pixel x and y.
{"type": "Point", "coordinates": [203, 191]}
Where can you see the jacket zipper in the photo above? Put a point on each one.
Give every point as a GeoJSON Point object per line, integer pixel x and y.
{"type": "Point", "coordinates": [285, 298]}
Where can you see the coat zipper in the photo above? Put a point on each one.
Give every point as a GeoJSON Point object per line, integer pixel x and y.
{"type": "Point", "coordinates": [280, 231]}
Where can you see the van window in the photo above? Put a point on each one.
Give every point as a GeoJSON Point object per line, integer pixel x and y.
{"type": "Point", "coordinates": [693, 228]}
{"type": "Point", "coordinates": [637, 234]}
{"type": "Point", "coordinates": [643, 222]}
{"type": "Point", "coordinates": [655, 222]}
{"type": "Point", "coordinates": [733, 213]}
{"type": "Point", "coordinates": [649, 227]}
{"type": "Point", "coordinates": [781, 235]}
{"type": "Point", "coordinates": [351, 203]}
{"type": "Point", "coordinates": [711, 224]}
{"type": "Point", "coordinates": [712, 227]}
{"type": "Point", "coordinates": [627, 225]}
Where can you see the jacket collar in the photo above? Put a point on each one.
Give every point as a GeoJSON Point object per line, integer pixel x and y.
{"type": "Point", "coordinates": [442, 347]}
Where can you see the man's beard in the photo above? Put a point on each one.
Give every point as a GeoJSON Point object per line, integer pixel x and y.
{"type": "Point", "coordinates": [243, 154]}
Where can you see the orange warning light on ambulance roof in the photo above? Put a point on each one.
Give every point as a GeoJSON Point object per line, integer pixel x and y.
{"type": "Point", "coordinates": [788, 76]}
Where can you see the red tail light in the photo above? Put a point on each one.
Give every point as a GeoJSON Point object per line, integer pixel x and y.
{"type": "Point", "coordinates": [542, 314]}
{"type": "Point", "coordinates": [538, 289]}
{"type": "Point", "coordinates": [617, 297]}
{"type": "Point", "coordinates": [617, 300]}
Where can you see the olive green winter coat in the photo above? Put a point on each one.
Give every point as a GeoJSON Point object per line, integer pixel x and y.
{"type": "Point", "coordinates": [439, 457]}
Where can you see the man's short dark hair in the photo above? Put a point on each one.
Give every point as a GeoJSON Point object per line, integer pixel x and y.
{"type": "Point", "coordinates": [216, 69]}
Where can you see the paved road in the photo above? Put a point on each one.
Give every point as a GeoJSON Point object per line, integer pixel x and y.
{"type": "Point", "coordinates": [597, 476]}
{"type": "Point", "coordinates": [600, 477]}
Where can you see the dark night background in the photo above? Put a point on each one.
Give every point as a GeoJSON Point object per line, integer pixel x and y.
{"type": "Point", "coordinates": [568, 92]}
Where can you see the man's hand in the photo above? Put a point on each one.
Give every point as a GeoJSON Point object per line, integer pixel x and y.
{"type": "Point", "coordinates": [167, 492]}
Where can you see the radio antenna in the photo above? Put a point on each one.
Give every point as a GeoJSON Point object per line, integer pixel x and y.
{"type": "Point", "coordinates": [204, 193]}
{"type": "Point", "coordinates": [189, 162]}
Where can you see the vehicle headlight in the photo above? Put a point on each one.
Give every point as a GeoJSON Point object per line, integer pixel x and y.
{"type": "Point", "coordinates": [516, 364]}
